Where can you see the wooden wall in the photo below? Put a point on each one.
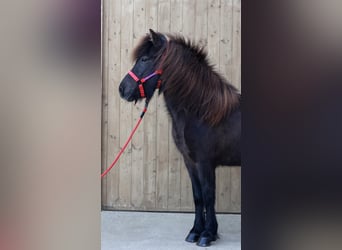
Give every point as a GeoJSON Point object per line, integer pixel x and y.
{"type": "Point", "coordinates": [151, 174]}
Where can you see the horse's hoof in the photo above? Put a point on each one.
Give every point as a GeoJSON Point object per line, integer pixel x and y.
{"type": "Point", "coordinates": [192, 237]}
{"type": "Point", "coordinates": [205, 240]}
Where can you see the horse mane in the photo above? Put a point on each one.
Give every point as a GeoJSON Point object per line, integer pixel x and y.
{"type": "Point", "coordinates": [191, 82]}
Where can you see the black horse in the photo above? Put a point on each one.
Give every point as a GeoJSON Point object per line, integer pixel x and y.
{"type": "Point", "coordinates": [205, 112]}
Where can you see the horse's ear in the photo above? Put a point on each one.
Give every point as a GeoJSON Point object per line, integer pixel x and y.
{"type": "Point", "coordinates": [157, 39]}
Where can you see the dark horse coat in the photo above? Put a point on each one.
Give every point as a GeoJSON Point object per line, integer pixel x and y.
{"type": "Point", "coordinates": [205, 112]}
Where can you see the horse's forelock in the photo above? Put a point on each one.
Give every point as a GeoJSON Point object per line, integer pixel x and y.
{"type": "Point", "coordinates": [141, 47]}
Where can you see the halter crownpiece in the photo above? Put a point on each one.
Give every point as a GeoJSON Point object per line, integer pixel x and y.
{"type": "Point", "coordinates": [143, 80]}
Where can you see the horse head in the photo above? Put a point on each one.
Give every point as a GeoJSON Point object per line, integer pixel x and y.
{"type": "Point", "coordinates": [143, 79]}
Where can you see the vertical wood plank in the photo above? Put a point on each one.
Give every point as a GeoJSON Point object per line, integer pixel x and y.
{"type": "Point", "coordinates": [176, 17]}
{"type": "Point", "coordinates": [126, 108]}
{"type": "Point", "coordinates": [150, 125]}
{"type": "Point", "coordinates": [113, 145]}
{"type": "Point", "coordinates": [137, 194]}
{"type": "Point", "coordinates": [226, 39]}
{"type": "Point", "coordinates": [223, 175]}
{"type": "Point", "coordinates": [188, 13]}
{"type": "Point", "coordinates": [162, 121]}
{"type": "Point", "coordinates": [223, 189]}
{"type": "Point", "coordinates": [214, 31]}
{"type": "Point", "coordinates": [235, 187]}
{"type": "Point", "coordinates": [235, 190]}
{"type": "Point", "coordinates": [201, 22]}
{"type": "Point", "coordinates": [236, 73]}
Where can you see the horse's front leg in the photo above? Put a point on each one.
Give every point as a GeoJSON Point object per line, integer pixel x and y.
{"type": "Point", "coordinates": [198, 227]}
{"type": "Point", "coordinates": [207, 180]}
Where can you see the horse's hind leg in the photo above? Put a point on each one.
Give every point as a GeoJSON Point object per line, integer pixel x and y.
{"type": "Point", "coordinates": [198, 227]}
{"type": "Point", "coordinates": [206, 173]}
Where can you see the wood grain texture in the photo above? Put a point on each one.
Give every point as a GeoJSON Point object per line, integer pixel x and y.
{"type": "Point", "coordinates": [151, 175]}
{"type": "Point", "coordinates": [125, 167]}
{"type": "Point", "coordinates": [113, 114]}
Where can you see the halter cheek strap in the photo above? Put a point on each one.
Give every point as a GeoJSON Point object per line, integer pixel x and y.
{"type": "Point", "coordinates": [141, 81]}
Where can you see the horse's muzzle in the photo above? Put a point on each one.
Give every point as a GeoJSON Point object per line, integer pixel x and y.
{"type": "Point", "coordinates": [126, 93]}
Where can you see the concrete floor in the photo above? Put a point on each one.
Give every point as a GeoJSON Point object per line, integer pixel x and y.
{"type": "Point", "coordinates": [162, 231]}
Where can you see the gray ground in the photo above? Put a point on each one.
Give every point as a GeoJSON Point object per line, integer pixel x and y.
{"type": "Point", "coordinates": [162, 231]}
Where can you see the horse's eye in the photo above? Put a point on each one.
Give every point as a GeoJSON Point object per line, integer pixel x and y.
{"type": "Point", "coordinates": [144, 59]}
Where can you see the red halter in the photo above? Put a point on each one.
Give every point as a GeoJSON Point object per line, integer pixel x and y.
{"type": "Point", "coordinates": [141, 81]}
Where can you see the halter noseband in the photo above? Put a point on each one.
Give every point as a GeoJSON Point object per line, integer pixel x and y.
{"type": "Point", "coordinates": [142, 80]}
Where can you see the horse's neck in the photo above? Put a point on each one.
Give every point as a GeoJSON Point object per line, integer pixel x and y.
{"type": "Point", "coordinates": [171, 108]}
{"type": "Point", "coordinates": [177, 114]}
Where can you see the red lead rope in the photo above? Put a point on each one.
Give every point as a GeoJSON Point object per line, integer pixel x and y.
{"type": "Point", "coordinates": [128, 140]}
